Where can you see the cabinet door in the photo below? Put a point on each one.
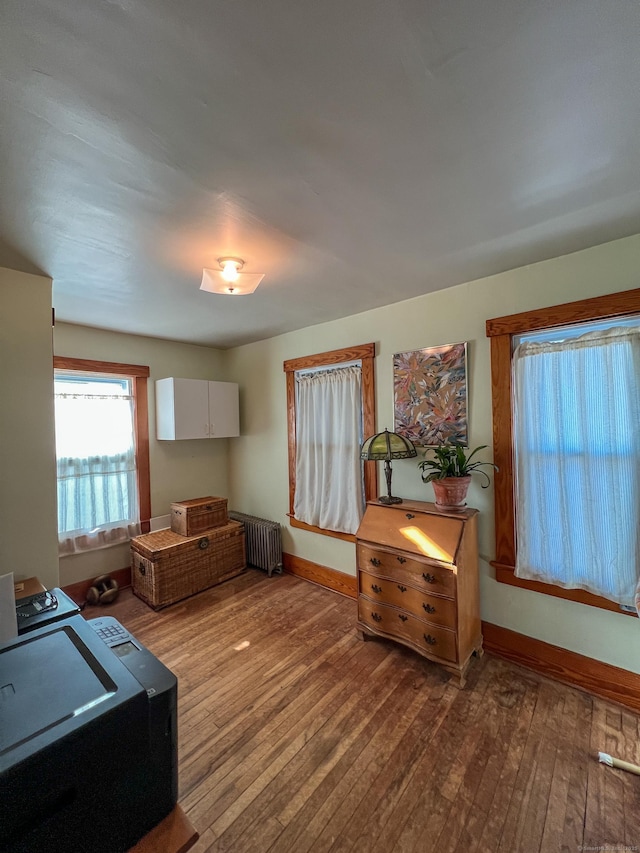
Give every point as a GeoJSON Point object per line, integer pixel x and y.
{"type": "Point", "coordinates": [223, 416]}
{"type": "Point", "coordinates": [191, 408]}
{"type": "Point", "coordinates": [196, 408]}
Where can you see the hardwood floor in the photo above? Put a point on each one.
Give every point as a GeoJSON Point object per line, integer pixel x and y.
{"type": "Point", "coordinates": [297, 736]}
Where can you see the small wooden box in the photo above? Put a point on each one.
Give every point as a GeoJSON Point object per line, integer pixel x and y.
{"type": "Point", "coordinates": [188, 518]}
{"type": "Point", "coordinates": [167, 567]}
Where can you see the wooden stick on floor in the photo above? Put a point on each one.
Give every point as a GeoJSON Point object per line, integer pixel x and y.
{"type": "Point", "coordinates": [617, 762]}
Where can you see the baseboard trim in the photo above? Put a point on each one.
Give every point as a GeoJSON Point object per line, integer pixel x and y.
{"type": "Point", "coordinates": [320, 575]}
{"type": "Point", "coordinates": [601, 679]}
{"type": "Point", "coordinates": [78, 591]}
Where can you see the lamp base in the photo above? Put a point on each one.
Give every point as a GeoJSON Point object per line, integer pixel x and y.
{"type": "Point", "coordinates": [387, 499]}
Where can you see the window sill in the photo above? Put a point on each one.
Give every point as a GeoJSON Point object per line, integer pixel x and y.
{"type": "Point", "coordinates": [81, 551]}
{"type": "Point", "coordinates": [294, 522]}
{"type": "Point", "coordinates": [506, 574]}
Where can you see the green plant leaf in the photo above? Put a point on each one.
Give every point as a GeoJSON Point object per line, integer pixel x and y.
{"type": "Point", "coordinates": [452, 460]}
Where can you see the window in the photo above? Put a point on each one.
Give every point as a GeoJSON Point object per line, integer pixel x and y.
{"type": "Point", "coordinates": [567, 442]}
{"type": "Point", "coordinates": [331, 405]}
{"type": "Point", "coordinates": [102, 451]}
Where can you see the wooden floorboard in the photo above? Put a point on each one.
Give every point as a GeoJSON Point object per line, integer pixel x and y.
{"type": "Point", "coordinates": [295, 735]}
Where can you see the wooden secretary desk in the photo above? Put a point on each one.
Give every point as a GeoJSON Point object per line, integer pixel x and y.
{"type": "Point", "coordinates": [418, 580]}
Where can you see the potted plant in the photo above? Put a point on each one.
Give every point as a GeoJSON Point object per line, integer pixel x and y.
{"type": "Point", "coordinates": [450, 473]}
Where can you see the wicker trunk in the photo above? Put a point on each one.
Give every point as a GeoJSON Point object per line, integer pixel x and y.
{"type": "Point", "coordinates": [166, 567]}
{"type": "Point", "coordinates": [189, 518]}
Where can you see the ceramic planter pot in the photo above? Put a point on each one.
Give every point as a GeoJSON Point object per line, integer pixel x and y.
{"type": "Point", "coordinates": [451, 493]}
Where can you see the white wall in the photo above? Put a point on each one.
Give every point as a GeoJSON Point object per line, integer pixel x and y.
{"type": "Point", "coordinates": [259, 473]}
{"type": "Point", "coordinates": [179, 469]}
{"type": "Point", "coordinates": [28, 525]}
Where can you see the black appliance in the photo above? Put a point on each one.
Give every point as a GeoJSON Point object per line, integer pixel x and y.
{"type": "Point", "coordinates": [88, 739]}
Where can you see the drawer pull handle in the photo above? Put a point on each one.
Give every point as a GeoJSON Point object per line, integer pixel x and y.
{"type": "Point", "coordinates": [376, 588]}
{"type": "Point", "coordinates": [403, 617]}
{"type": "Point", "coordinates": [203, 544]}
{"type": "Point", "coordinates": [429, 608]}
{"type": "Point", "coordinates": [142, 568]}
{"type": "Point", "coordinates": [429, 578]}
{"type": "Point", "coordinates": [376, 617]}
{"type": "Point", "coordinates": [410, 515]}
{"type": "Point", "coordinates": [401, 560]}
{"type": "Point", "coordinates": [402, 588]}
{"type": "Point", "coordinates": [374, 561]}
{"type": "Point", "coordinates": [429, 639]}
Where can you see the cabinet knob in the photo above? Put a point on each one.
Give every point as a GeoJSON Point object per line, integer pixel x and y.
{"type": "Point", "coordinates": [429, 577]}
{"type": "Point", "coordinates": [429, 608]}
{"type": "Point", "coordinates": [402, 617]}
{"type": "Point", "coordinates": [376, 588]}
{"type": "Point", "coordinates": [374, 561]}
{"type": "Point", "coordinates": [429, 639]}
{"type": "Point", "coordinates": [410, 515]}
{"type": "Point", "coordinates": [401, 560]}
{"type": "Point", "coordinates": [376, 617]}
{"type": "Point", "coordinates": [402, 588]}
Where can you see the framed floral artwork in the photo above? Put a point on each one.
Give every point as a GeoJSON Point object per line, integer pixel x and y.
{"type": "Point", "coordinates": [430, 395]}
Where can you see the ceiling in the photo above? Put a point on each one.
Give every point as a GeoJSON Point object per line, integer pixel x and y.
{"type": "Point", "coordinates": [356, 152]}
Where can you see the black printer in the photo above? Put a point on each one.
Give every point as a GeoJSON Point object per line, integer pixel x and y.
{"type": "Point", "coordinates": [88, 739]}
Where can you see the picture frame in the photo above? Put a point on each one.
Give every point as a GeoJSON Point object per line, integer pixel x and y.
{"type": "Point", "coordinates": [430, 395]}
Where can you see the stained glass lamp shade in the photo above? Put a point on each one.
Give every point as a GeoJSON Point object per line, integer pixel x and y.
{"type": "Point", "coordinates": [385, 446]}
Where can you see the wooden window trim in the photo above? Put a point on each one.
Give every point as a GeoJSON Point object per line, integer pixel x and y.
{"type": "Point", "coordinates": [501, 331]}
{"type": "Point", "coordinates": [139, 374]}
{"type": "Point", "coordinates": [365, 353]}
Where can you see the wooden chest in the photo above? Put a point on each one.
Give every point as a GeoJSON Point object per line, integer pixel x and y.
{"type": "Point", "coordinates": [188, 518]}
{"type": "Point", "coordinates": [418, 581]}
{"type": "Point", "coordinates": [167, 567]}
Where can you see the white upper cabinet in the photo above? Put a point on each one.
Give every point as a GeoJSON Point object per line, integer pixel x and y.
{"type": "Point", "coordinates": [196, 408]}
{"type": "Point", "coordinates": [224, 410]}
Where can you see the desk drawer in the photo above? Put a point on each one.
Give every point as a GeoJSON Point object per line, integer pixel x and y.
{"type": "Point", "coordinates": [422, 575]}
{"type": "Point", "coordinates": [393, 622]}
{"type": "Point", "coordinates": [432, 608]}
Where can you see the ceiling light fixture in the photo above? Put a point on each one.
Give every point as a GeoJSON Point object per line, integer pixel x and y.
{"type": "Point", "coordinates": [229, 280]}
{"type": "Point", "coordinates": [230, 268]}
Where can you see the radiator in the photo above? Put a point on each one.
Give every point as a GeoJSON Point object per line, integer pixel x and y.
{"type": "Point", "coordinates": [263, 541]}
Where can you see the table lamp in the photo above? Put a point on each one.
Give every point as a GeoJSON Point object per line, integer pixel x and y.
{"type": "Point", "coordinates": [387, 446]}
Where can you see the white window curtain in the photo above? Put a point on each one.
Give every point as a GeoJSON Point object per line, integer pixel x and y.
{"type": "Point", "coordinates": [97, 482]}
{"type": "Point", "coordinates": [329, 490]}
{"type": "Point", "coordinates": [577, 444]}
